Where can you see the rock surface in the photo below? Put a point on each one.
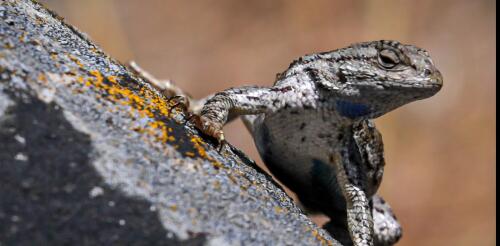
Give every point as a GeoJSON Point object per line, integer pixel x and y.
{"type": "Point", "coordinates": [91, 155]}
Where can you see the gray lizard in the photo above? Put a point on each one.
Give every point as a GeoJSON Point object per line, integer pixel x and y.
{"type": "Point", "coordinates": [314, 132]}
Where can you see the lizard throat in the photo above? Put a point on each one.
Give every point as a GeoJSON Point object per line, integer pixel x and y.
{"type": "Point", "coordinates": [352, 110]}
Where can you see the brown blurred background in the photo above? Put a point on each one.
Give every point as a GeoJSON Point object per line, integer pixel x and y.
{"type": "Point", "coordinates": [440, 174]}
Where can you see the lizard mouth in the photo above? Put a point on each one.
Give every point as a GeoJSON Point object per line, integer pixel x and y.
{"type": "Point", "coordinates": [433, 83]}
{"type": "Point", "coordinates": [436, 79]}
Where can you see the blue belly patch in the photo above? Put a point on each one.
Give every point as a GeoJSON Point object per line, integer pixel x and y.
{"type": "Point", "coordinates": [352, 110]}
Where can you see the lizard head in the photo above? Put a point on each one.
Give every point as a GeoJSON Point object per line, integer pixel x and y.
{"type": "Point", "coordinates": [372, 78]}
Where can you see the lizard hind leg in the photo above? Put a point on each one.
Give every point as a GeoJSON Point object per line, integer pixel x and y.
{"type": "Point", "coordinates": [171, 91]}
{"type": "Point", "coordinates": [387, 230]}
{"type": "Point", "coordinates": [165, 87]}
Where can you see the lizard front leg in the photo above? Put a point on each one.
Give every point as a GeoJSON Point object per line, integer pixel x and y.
{"type": "Point", "coordinates": [212, 112]}
{"type": "Point", "coordinates": [228, 104]}
{"type": "Point", "coordinates": [359, 216]}
{"type": "Point", "coordinates": [387, 229]}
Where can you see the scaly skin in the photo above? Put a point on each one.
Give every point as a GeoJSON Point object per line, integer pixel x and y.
{"type": "Point", "coordinates": [313, 129]}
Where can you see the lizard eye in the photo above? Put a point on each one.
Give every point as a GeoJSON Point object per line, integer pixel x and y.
{"type": "Point", "coordinates": [388, 58]}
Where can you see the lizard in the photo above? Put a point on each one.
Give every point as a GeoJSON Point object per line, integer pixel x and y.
{"type": "Point", "coordinates": [314, 128]}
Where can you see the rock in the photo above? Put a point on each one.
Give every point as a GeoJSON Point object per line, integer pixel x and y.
{"type": "Point", "coordinates": [90, 154]}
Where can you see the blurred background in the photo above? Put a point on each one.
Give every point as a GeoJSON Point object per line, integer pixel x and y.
{"type": "Point", "coordinates": [440, 152]}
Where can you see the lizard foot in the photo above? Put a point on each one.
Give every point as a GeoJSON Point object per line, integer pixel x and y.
{"type": "Point", "coordinates": [210, 128]}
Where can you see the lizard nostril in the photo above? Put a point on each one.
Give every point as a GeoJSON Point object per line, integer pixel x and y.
{"type": "Point", "coordinates": [427, 72]}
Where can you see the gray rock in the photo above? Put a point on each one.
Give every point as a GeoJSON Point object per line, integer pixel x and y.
{"type": "Point", "coordinates": [91, 155]}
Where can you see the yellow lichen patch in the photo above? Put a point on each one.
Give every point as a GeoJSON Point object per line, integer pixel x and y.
{"type": "Point", "coordinates": [197, 145]}
{"type": "Point", "coordinates": [53, 56]}
{"type": "Point", "coordinates": [42, 78]}
{"type": "Point", "coordinates": [217, 164]}
{"type": "Point", "coordinates": [164, 136]}
{"type": "Point", "coordinates": [75, 60]}
{"type": "Point", "coordinates": [143, 103]}
{"type": "Point", "coordinates": [160, 104]}
{"type": "Point", "coordinates": [315, 233]}
{"type": "Point", "coordinates": [283, 199]}
{"type": "Point", "coordinates": [112, 79]}
{"type": "Point", "coordinates": [80, 80]}
{"type": "Point", "coordinates": [173, 207]}
{"type": "Point", "coordinates": [320, 238]}
{"type": "Point", "coordinates": [146, 108]}
{"type": "Point", "coordinates": [22, 37]}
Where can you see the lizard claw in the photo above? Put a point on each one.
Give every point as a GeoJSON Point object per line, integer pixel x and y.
{"type": "Point", "coordinates": [220, 138]}
{"type": "Point", "coordinates": [221, 146]}
{"type": "Point", "coordinates": [208, 127]}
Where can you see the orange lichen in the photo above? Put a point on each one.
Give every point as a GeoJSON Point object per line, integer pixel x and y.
{"type": "Point", "coordinates": [144, 103]}
{"type": "Point", "coordinates": [42, 78]}
{"type": "Point", "coordinates": [22, 37]}
{"type": "Point", "coordinates": [320, 238]}
{"type": "Point", "coordinates": [197, 145]}
{"type": "Point", "coordinates": [53, 56]}
{"type": "Point", "coordinates": [217, 165]}
{"type": "Point", "coordinates": [173, 207]}
{"type": "Point", "coordinates": [315, 233]}
{"type": "Point", "coordinates": [141, 102]}
{"type": "Point", "coordinates": [75, 60]}
{"type": "Point", "coordinates": [112, 79]}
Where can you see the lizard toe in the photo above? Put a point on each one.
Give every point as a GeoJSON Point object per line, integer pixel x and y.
{"type": "Point", "coordinates": [208, 127]}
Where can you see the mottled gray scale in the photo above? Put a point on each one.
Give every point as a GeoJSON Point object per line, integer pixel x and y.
{"type": "Point", "coordinates": [314, 133]}
{"type": "Point", "coordinates": [387, 228]}
{"type": "Point", "coordinates": [288, 147]}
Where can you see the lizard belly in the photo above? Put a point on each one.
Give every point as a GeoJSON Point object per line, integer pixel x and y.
{"type": "Point", "coordinates": [295, 148]}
